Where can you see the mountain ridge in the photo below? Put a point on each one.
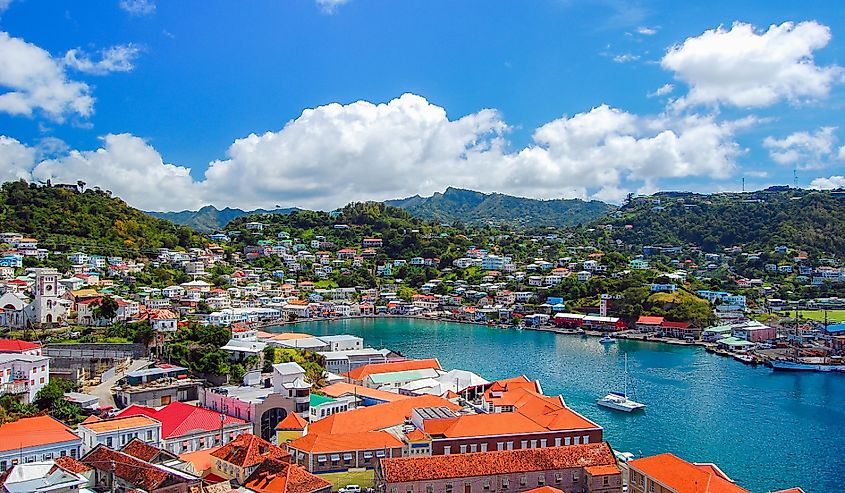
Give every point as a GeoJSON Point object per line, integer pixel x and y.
{"type": "Point", "coordinates": [208, 219]}
{"type": "Point", "coordinates": [479, 208]}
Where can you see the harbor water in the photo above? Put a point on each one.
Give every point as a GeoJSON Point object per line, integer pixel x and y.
{"type": "Point", "coordinates": [767, 430]}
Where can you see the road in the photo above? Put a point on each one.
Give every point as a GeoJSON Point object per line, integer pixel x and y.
{"type": "Point", "coordinates": [103, 390]}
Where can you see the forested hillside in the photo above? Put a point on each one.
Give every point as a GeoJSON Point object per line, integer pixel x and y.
{"type": "Point", "coordinates": [404, 236]}
{"type": "Point", "coordinates": [806, 220]}
{"type": "Point", "coordinates": [479, 208]}
{"type": "Point", "coordinates": [65, 219]}
{"type": "Point", "coordinates": [209, 219]}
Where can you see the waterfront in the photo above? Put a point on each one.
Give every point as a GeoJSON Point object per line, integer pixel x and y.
{"type": "Point", "coordinates": [764, 429]}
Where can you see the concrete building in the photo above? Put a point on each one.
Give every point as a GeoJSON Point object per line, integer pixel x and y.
{"type": "Point", "coordinates": [23, 375]}
{"type": "Point", "coordinates": [667, 473]}
{"type": "Point", "coordinates": [117, 432]}
{"type": "Point", "coordinates": [187, 428]}
{"type": "Point", "coordinates": [578, 469]}
{"type": "Point", "coordinates": [34, 439]}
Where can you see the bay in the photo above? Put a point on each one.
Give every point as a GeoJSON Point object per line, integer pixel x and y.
{"type": "Point", "coordinates": [766, 430]}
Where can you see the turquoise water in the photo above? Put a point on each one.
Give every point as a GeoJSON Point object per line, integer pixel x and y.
{"type": "Point", "coordinates": [766, 430]}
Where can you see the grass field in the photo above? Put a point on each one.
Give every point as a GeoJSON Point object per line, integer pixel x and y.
{"type": "Point", "coordinates": [833, 316]}
{"type": "Point", "coordinates": [364, 479]}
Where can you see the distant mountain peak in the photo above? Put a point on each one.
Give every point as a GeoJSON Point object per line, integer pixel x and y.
{"type": "Point", "coordinates": [471, 206]}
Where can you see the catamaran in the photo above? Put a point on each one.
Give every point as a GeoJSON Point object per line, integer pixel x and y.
{"type": "Point", "coordinates": [619, 400]}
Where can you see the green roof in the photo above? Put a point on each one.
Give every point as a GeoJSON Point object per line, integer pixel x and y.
{"type": "Point", "coordinates": [734, 341]}
{"type": "Point", "coordinates": [317, 400]}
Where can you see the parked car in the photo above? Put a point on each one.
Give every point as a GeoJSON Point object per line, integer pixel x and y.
{"type": "Point", "coordinates": [350, 488]}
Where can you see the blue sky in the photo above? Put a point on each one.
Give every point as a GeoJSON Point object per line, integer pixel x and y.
{"type": "Point", "coordinates": [549, 98]}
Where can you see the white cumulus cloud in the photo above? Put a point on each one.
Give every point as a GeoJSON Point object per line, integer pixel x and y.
{"type": "Point", "coordinates": [131, 169]}
{"type": "Point", "coordinates": [34, 81]}
{"type": "Point", "coordinates": [744, 67]}
{"type": "Point", "coordinates": [334, 154]}
{"type": "Point", "coordinates": [662, 91]}
{"type": "Point", "coordinates": [804, 150]}
{"type": "Point", "coordinates": [831, 183]}
{"type": "Point", "coordinates": [330, 6]}
{"type": "Point", "coordinates": [118, 58]}
{"type": "Point", "coordinates": [138, 7]}
{"type": "Point", "coordinates": [646, 31]}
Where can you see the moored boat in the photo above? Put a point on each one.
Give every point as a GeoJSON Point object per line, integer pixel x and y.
{"type": "Point", "coordinates": [788, 365]}
{"type": "Point", "coordinates": [619, 401]}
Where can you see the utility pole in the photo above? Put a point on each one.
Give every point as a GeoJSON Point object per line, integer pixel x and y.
{"type": "Point", "coordinates": [111, 477]}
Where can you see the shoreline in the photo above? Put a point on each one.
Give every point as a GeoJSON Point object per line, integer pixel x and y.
{"type": "Point", "coordinates": [626, 334]}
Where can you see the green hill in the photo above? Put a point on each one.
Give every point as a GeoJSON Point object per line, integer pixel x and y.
{"type": "Point", "coordinates": [209, 219]}
{"type": "Point", "coordinates": [62, 218]}
{"type": "Point", "coordinates": [478, 208]}
{"type": "Point", "coordinates": [804, 220]}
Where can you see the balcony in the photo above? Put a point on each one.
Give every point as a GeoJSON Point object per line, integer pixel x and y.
{"type": "Point", "coordinates": [14, 388]}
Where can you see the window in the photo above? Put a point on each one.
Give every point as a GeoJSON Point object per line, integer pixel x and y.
{"type": "Point", "coordinates": [463, 449]}
{"type": "Point", "coordinates": [473, 448]}
{"type": "Point", "coordinates": [567, 441]}
{"type": "Point", "coordinates": [606, 480]}
{"type": "Point", "coordinates": [335, 458]}
{"type": "Point", "coordinates": [574, 477]}
{"type": "Point", "coordinates": [448, 487]}
{"type": "Point", "coordinates": [576, 440]}
{"type": "Point", "coordinates": [523, 444]}
{"type": "Point", "coordinates": [368, 455]}
{"type": "Point", "coordinates": [73, 453]}
{"type": "Point", "coordinates": [523, 480]}
{"type": "Point", "coordinates": [510, 445]}
{"type": "Point", "coordinates": [41, 380]}
{"type": "Point", "coordinates": [651, 486]}
{"type": "Point", "coordinates": [558, 477]}
{"type": "Point", "coordinates": [429, 489]}
{"type": "Point", "coordinates": [557, 442]}
{"type": "Point", "coordinates": [533, 443]}
{"type": "Point", "coordinates": [486, 485]}
{"type": "Point", "coordinates": [149, 435]}
{"type": "Point", "coordinates": [3, 467]}
{"type": "Point", "coordinates": [544, 443]}
{"type": "Point", "coordinates": [109, 442]}
{"type": "Point", "coordinates": [541, 480]}
{"type": "Point", "coordinates": [347, 458]}
{"type": "Point", "coordinates": [586, 439]}
{"type": "Point", "coordinates": [500, 445]}
{"type": "Point", "coordinates": [505, 483]}
{"type": "Point", "coordinates": [484, 447]}
{"type": "Point", "coordinates": [447, 450]}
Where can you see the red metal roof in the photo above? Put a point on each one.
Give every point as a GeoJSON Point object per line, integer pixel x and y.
{"type": "Point", "coordinates": [178, 419]}
{"type": "Point", "coordinates": [17, 346]}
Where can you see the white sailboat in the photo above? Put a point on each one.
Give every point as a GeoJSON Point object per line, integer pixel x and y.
{"type": "Point", "coordinates": [619, 400]}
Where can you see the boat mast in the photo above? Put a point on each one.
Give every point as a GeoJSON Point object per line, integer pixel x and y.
{"type": "Point", "coordinates": [626, 376]}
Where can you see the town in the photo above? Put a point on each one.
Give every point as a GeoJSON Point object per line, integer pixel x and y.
{"type": "Point", "coordinates": [185, 369]}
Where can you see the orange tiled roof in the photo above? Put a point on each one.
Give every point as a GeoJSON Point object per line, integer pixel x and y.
{"type": "Point", "coordinates": [363, 372]}
{"type": "Point", "coordinates": [120, 423]}
{"type": "Point", "coordinates": [646, 320]}
{"type": "Point", "coordinates": [344, 442]}
{"type": "Point", "coordinates": [68, 463]}
{"type": "Point", "coordinates": [274, 476]}
{"type": "Point", "coordinates": [602, 470]}
{"type": "Point", "coordinates": [32, 432]}
{"type": "Point", "coordinates": [683, 476]}
{"type": "Point", "coordinates": [292, 421]}
{"type": "Point", "coordinates": [201, 459]}
{"type": "Point", "coordinates": [248, 450]}
{"type": "Point", "coordinates": [408, 469]}
{"type": "Point", "coordinates": [342, 388]}
{"type": "Point", "coordinates": [417, 436]}
{"type": "Point", "coordinates": [135, 472]}
{"type": "Point", "coordinates": [140, 450]}
{"type": "Point", "coordinates": [545, 489]}
{"type": "Point", "coordinates": [377, 417]}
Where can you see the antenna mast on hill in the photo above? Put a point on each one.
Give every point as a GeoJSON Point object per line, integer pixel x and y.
{"type": "Point", "coordinates": [795, 177]}
{"type": "Point", "coordinates": [743, 184]}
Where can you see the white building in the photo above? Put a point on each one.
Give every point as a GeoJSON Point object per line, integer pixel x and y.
{"type": "Point", "coordinates": [23, 375]}
{"type": "Point", "coordinates": [115, 433]}
{"type": "Point", "coordinates": [34, 439]}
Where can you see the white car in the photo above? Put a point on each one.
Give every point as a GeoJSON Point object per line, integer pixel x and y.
{"type": "Point", "coordinates": [350, 488]}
